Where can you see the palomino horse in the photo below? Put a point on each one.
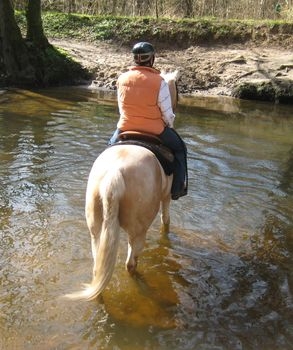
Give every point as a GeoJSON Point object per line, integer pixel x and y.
{"type": "Point", "coordinates": [126, 187]}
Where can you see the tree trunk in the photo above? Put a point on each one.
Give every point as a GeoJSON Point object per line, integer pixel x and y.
{"type": "Point", "coordinates": [35, 32]}
{"type": "Point", "coordinates": [14, 52]}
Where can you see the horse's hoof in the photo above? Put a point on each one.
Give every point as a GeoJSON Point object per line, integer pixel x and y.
{"type": "Point", "coordinates": [131, 269]}
{"type": "Point", "coordinates": [165, 228]}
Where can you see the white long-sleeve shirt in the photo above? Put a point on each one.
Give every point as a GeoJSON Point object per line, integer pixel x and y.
{"type": "Point", "coordinates": [165, 104]}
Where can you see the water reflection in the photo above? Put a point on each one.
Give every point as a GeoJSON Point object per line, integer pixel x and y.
{"type": "Point", "coordinates": [222, 278]}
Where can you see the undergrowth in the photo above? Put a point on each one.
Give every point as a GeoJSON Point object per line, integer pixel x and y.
{"type": "Point", "coordinates": [163, 31]}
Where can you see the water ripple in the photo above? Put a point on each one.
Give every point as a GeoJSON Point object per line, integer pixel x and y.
{"type": "Point", "coordinates": [220, 280]}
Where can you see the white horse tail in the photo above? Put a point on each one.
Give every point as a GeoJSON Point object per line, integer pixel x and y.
{"type": "Point", "coordinates": [111, 189]}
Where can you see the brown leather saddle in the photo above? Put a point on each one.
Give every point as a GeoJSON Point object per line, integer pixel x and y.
{"type": "Point", "coordinates": [153, 143]}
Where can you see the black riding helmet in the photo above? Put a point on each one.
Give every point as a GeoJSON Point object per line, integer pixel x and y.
{"type": "Point", "coordinates": [143, 53]}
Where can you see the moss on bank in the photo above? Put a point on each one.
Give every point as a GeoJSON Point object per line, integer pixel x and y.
{"type": "Point", "coordinates": [278, 91]}
{"type": "Point", "coordinates": [58, 68]}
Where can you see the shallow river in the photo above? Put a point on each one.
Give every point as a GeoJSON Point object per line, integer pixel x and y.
{"type": "Point", "coordinates": [222, 279]}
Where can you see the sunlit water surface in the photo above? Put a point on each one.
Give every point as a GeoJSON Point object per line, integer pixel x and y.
{"type": "Point", "coordinates": [223, 277]}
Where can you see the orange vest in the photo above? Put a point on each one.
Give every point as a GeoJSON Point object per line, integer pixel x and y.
{"type": "Point", "coordinates": [138, 91]}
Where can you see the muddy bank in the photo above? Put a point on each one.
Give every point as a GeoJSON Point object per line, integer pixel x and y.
{"type": "Point", "coordinates": [244, 71]}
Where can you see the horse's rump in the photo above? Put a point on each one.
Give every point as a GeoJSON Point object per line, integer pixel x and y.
{"type": "Point", "coordinates": [144, 179]}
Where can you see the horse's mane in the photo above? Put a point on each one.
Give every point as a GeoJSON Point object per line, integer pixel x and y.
{"type": "Point", "coordinates": [170, 76]}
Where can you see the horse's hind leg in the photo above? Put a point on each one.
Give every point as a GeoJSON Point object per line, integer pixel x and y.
{"type": "Point", "coordinates": [165, 215]}
{"type": "Point", "coordinates": [135, 247]}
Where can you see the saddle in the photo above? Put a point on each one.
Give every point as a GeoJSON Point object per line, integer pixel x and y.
{"type": "Point", "coordinates": [151, 142]}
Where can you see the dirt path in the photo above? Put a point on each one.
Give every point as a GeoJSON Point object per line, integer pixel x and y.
{"type": "Point", "coordinates": [204, 70]}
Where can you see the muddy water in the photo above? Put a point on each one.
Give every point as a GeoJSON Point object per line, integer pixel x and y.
{"type": "Point", "coordinates": [222, 279]}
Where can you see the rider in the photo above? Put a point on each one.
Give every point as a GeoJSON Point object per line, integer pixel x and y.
{"type": "Point", "coordinates": [144, 103]}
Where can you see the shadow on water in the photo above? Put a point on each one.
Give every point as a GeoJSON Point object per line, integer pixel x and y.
{"type": "Point", "coordinates": [221, 279]}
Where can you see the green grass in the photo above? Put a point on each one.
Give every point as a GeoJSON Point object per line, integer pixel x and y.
{"type": "Point", "coordinates": [177, 32]}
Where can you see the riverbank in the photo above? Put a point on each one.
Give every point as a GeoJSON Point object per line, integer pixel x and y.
{"type": "Point", "coordinates": [212, 70]}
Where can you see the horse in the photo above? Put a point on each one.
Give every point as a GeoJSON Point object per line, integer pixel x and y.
{"type": "Point", "coordinates": [126, 188]}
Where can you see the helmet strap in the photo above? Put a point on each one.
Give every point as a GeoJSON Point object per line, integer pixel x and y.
{"type": "Point", "coordinates": [152, 60]}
